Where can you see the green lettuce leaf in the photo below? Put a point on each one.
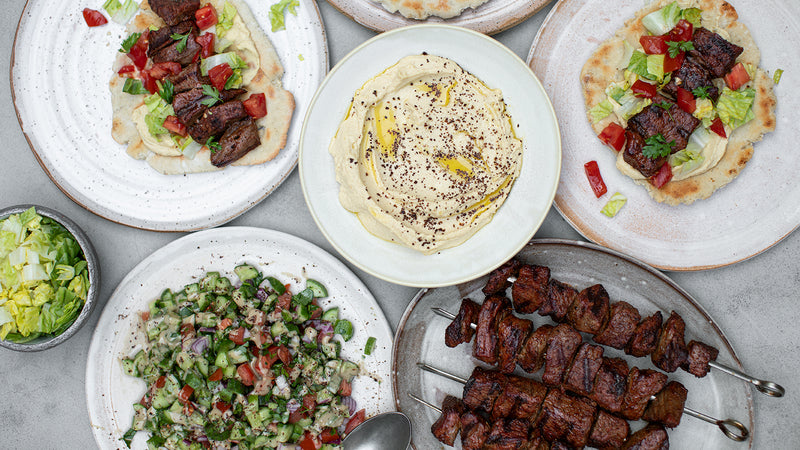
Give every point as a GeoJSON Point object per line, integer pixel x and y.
{"type": "Point", "coordinates": [225, 21]}
{"type": "Point", "coordinates": [638, 65]}
{"type": "Point", "coordinates": [278, 11]}
{"type": "Point", "coordinates": [601, 110]}
{"type": "Point", "coordinates": [663, 20]}
{"type": "Point", "coordinates": [614, 204]}
{"type": "Point", "coordinates": [735, 107]}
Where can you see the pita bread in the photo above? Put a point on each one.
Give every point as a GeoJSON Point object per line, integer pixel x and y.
{"type": "Point", "coordinates": [606, 65]}
{"type": "Point", "coordinates": [273, 127]}
{"type": "Point", "coordinates": [422, 9]}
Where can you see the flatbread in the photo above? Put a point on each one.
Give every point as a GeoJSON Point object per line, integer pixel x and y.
{"type": "Point", "coordinates": [606, 65]}
{"type": "Point", "coordinates": [273, 127]}
{"type": "Point", "coordinates": [422, 9]}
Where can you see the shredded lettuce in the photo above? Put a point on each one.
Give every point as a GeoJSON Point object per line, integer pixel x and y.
{"type": "Point", "coordinates": [776, 78]}
{"type": "Point", "coordinates": [121, 13]}
{"type": "Point", "coordinates": [630, 105]}
{"type": "Point", "coordinates": [231, 58]}
{"type": "Point", "coordinates": [735, 107]}
{"type": "Point", "coordinates": [640, 65]}
{"type": "Point", "coordinates": [278, 11]}
{"type": "Point", "coordinates": [614, 204]}
{"type": "Point", "coordinates": [704, 110]}
{"type": "Point", "coordinates": [617, 90]}
{"type": "Point", "coordinates": [693, 16]}
{"type": "Point", "coordinates": [663, 20]}
{"type": "Point", "coordinates": [225, 21]}
{"type": "Point", "coordinates": [158, 110]}
{"type": "Point", "coordinates": [601, 110]}
{"type": "Point", "coordinates": [655, 66]}
{"type": "Point", "coordinates": [685, 161]}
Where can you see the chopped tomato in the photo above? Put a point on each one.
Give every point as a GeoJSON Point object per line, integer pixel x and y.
{"type": "Point", "coordinates": [162, 69]}
{"type": "Point", "coordinates": [686, 100]}
{"type": "Point", "coordinates": [317, 313]}
{"type": "Point", "coordinates": [284, 301]}
{"type": "Point", "coordinates": [174, 125]}
{"type": "Point", "coordinates": [654, 45]}
{"type": "Point", "coordinates": [138, 53]}
{"type": "Point", "coordinates": [146, 316]}
{"type": "Point", "coordinates": [187, 329]}
{"type": "Point", "coordinates": [614, 135]}
{"type": "Point", "coordinates": [329, 435]}
{"type": "Point", "coordinates": [309, 402]}
{"type": "Point", "coordinates": [219, 75]}
{"type": "Point", "coordinates": [94, 18]}
{"type": "Point", "coordinates": [354, 421]}
{"type": "Point", "coordinates": [737, 77]}
{"type": "Point", "coordinates": [717, 127]}
{"type": "Point", "coordinates": [345, 389]}
{"type": "Point", "coordinates": [595, 180]}
{"type": "Point", "coordinates": [161, 381]}
{"type": "Point", "coordinates": [224, 323]}
{"type": "Point", "coordinates": [682, 32]}
{"type": "Point", "coordinates": [128, 71]}
{"type": "Point", "coordinates": [310, 442]}
{"type": "Point", "coordinates": [662, 177]}
{"type": "Point", "coordinates": [149, 82]}
{"type": "Point", "coordinates": [246, 374]}
{"type": "Point", "coordinates": [643, 89]}
{"type": "Point", "coordinates": [673, 64]}
{"type": "Point", "coordinates": [188, 409]}
{"type": "Point", "coordinates": [237, 335]}
{"type": "Point", "coordinates": [145, 400]}
{"type": "Point", "coordinates": [184, 394]}
{"type": "Point", "coordinates": [256, 105]}
{"type": "Point", "coordinates": [298, 415]}
{"type": "Point", "coordinates": [284, 355]}
{"type": "Point", "coordinates": [206, 16]}
{"type": "Point", "coordinates": [206, 42]}
{"type": "Point", "coordinates": [216, 376]}
{"type": "Point", "coordinates": [270, 357]}
{"type": "Point", "coordinates": [222, 406]}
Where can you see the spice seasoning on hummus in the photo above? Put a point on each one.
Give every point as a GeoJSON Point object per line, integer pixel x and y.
{"type": "Point", "coordinates": [426, 154]}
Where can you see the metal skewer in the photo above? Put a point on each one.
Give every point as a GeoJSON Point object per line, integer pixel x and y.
{"type": "Point", "coordinates": [729, 427]}
{"type": "Point", "coordinates": [765, 387]}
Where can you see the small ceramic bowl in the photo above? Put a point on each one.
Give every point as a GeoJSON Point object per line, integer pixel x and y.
{"type": "Point", "coordinates": [44, 343]}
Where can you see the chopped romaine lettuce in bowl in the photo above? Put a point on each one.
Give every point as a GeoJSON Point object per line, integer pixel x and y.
{"type": "Point", "coordinates": [49, 278]}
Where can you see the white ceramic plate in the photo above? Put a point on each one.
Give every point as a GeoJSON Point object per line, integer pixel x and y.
{"type": "Point", "coordinates": [744, 218]}
{"type": "Point", "coordinates": [420, 337]}
{"type": "Point", "coordinates": [491, 17]}
{"type": "Point", "coordinates": [515, 222]}
{"type": "Point", "coordinates": [60, 70]}
{"type": "Point", "coordinates": [110, 393]}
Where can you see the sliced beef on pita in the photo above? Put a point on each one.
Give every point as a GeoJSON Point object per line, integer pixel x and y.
{"type": "Point", "coordinates": [175, 11]}
{"type": "Point", "coordinates": [718, 54]}
{"type": "Point", "coordinates": [215, 120]}
{"type": "Point", "coordinates": [236, 141]}
{"type": "Point", "coordinates": [182, 51]}
{"type": "Point", "coordinates": [188, 78]}
{"type": "Point", "coordinates": [692, 75]}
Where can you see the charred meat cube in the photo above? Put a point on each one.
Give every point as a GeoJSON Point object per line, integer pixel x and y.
{"type": "Point", "coordinates": [645, 337]}
{"type": "Point", "coordinates": [498, 279]}
{"type": "Point", "coordinates": [670, 352]}
{"type": "Point", "coordinates": [493, 311]}
{"type": "Point", "coordinates": [667, 407]}
{"type": "Point", "coordinates": [608, 431]}
{"type": "Point", "coordinates": [448, 425]}
{"type": "Point", "coordinates": [642, 384]}
{"type": "Point", "coordinates": [621, 324]}
{"type": "Point", "coordinates": [175, 11]}
{"type": "Point", "coordinates": [651, 437]}
{"type": "Point", "coordinates": [718, 54]}
{"type": "Point", "coordinates": [530, 290]}
{"type": "Point", "coordinates": [634, 143]}
{"type": "Point", "coordinates": [582, 372]}
{"type": "Point", "coordinates": [561, 347]}
{"type": "Point", "coordinates": [589, 312]}
{"type": "Point", "coordinates": [531, 355]}
{"type": "Point", "coordinates": [188, 107]}
{"type": "Point", "coordinates": [188, 78]}
{"type": "Point", "coordinates": [560, 446]}
{"type": "Point", "coordinates": [507, 435]}
{"type": "Point", "coordinates": [559, 297]}
{"type": "Point", "coordinates": [460, 329]}
{"type": "Point", "coordinates": [692, 75]}
{"type": "Point", "coordinates": [474, 431]}
{"type": "Point", "coordinates": [521, 399]}
{"type": "Point", "coordinates": [537, 441]}
{"type": "Point", "coordinates": [699, 355]}
{"type": "Point", "coordinates": [511, 333]}
{"type": "Point", "coordinates": [215, 120]}
{"type": "Point", "coordinates": [237, 140]}
{"type": "Point", "coordinates": [610, 384]}
{"type": "Point", "coordinates": [566, 418]}
{"type": "Point", "coordinates": [482, 389]}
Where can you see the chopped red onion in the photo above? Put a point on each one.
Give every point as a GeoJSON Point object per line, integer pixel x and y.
{"type": "Point", "coordinates": [207, 329]}
{"type": "Point", "coordinates": [351, 404]}
{"type": "Point", "coordinates": [261, 294]}
{"type": "Point", "coordinates": [292, 405]}
{"type": "Point", "coordinates": [200, 345]}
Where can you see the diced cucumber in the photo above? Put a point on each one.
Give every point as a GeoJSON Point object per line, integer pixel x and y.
{"type": "Point", "coordinates": [192, 290]}
{"type": "Point", "coordinates": [129, 367]}
{"type": "Point", "coordinates": [139, 417]}
{"type": "Point", "coordinates": [207, 319]}
{"type": "Point", "coordinates": [344, 328]}
{"type": "Point", "coordinates": [348, 370]}
{"type": "Point", "coordinates": [209, 281]}
{"type": "Point", "coordinates": [317, 288]}
{"type": "Point", "coordinates": [331, 315]}
{"type": "Point", "coordinates": [246, 272]}
{"type": "Point", "coordinates": [204, 300]}
{"type": "Point", "coordinates": [222, 285]}
{"type": "Point", "coordinates": [202, 365]}
{"type": "Point", "coordinates": [229, 371]}
{"type": "Point", "coordinates": [278, 328]}
{"type": "Point", "coordinates": [184, 360]}
{"type": "Point", "coordinates": [221, 360]}
{"type": "Point", "coordinates": [285, 432]}
{"type": "Point", "coordinates": [238, 355]}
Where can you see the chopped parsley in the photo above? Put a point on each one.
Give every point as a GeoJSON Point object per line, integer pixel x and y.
{"type": "Point", "coordinates": [181, 38]}
{"type": "Point", "coordinates": [129, 42]}
{"type": "Point", "coordinates": [166, 90]}
{"type": "Point", "coordinates": [700, 92]}
{"type": "Point", "coordinates": [212, 95]}
{"type": "Point", "coordinates": [664, 105]}
{"type": "Point", "coordinates": [213, 145]}
{"type": "Point", "coordinates": [679, 46]}
{"type": "Point", "coordinates": [656, 146]}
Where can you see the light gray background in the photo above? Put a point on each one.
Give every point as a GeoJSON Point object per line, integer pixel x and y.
{"type": "Point", "coordinates": [42, 395]}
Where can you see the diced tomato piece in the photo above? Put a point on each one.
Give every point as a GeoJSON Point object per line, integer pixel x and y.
{"type": "Point", "coordinates": [595, 179]}
{"type": "Point", "coordinates": [162, 69]}
{"type": "Point", "coordinates": [216, 376]}
{"type": "Point", "coordinates": [246, 374]}
{"type": "Point", "coordinates": [309, 402]}
{"type": "Point", "coordinates": [284, 355]}
{"type": "Point", "coordinates": [94, 18]}
{"type": "Point", "coordinates": [643, 89]}
{"type": "Point", "coordinates": [206, 16]}
{"type": "Point", "coordinates": [298, 415]}
{"type": "Point", "coordinates": [145, 400]}
{"type": "Point", "coordinates": [310, 442]}
{"type": "Point", "coordinates": [184, 394]}
{"type": "Point", "coordinates": [345, 389]}
{"type": "Point", "coordinates": [682, 32]}
{"type": "Point", "coordinates": [188, 409]}
{"type": "Point", "coordinates": [237, 335]}
{"type": "Point", "coordinates": [673, 64]}
{"type": "Point", "coordinates": [149, 82]}
{"type": "Point", "coordinates": [717, 127]}
{"type": "Point", "coordinates": [138, 53]}
{"type": "Point", "coordinates": [317, 313]}
{"type": "Point", "coordinates": [686, 100]}
{"type": "Point", "coordinates": [354, 421]}
{"type": "Point", "coordinates": [662, 177]}
{"type": "Point", "coordinates": [146, 315]}
{"type": "Point", "coordinates": [737, 77]}
{"type": "Point", "coordinates": [284, 301]}
{"type": "Point", "coordinates": [256, 105]}
{"type": "Point", "coordinates": [614, 135]}
{"type": "Point", "coordinates": [224, 323]}
{"type": "Point", "coordinates": [222, 406]}
{"type": "Point", "coordinates": [187, 329]}
{"type": "Point", "coordinates": [175, 126]}
{"type": "Point", "coordinates": [270, 357]}
{"type": "Point", "coordinates": [654, 45]}
{"type": "Point", "coordinates": [329, 435]}
{"type": "Point", "coordinates": [161, 381]}
{"type": "Point", "coordinates": [206, 42]}
{"type": "Point", "coordinates": [219, 75]}
{"type": "Point", "coordinates": [128, 71]}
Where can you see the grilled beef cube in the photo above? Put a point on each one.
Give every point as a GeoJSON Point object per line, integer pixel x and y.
{"type": "Point", "coordinates": [160, 38]}
{"type": "Point", "coordinates": [608, 431]}
{"type": "Point", "coordinates": [171, 52]}
{"type": "Point", "coordinates": [642, 383]}
{"type": "Point", "coordinates": [667, 407]}
{"type": "Point", "coordinates": [560, 446]}
{"type": "Point", "coordinates": [460, 330]}
{"type": "Point", "coordinates": [521, 399]}
{"type": "Point", "coordinates": [621, 324]}
{"type": "Point", "coordinates": [448, 425]}
{"type": "Point", "coordinates": [175, 11]}
{"type": "Point", "coordinates": [511, 334]}
{"type": "Point", "coordinates": [188, 107]}
{"type": "Point", "coordinates": [582, 372]}
{"type": "Point", "coordinates": [493, 311]}
{"type": "Point", "coordinates": [670, 352]}
{"type": "Point", "coordinates": [507, 435]}
{"type": "Point", "coordinates": [718, 54]}
{"type": "Point", "coordinates": [589, 311]}
{"type": "Point", "coordinates": [188, 78]}
{"type": "Point", "coordinates": [474, 431]}
{"type": "Point", "coordinates": [634, 143]}
{"type": "Point", "coordinates": [559, 297]}
{"type": "Point", "coordinates": [530, 290]}
{"type": "Point", "coordinates": [498, 279]}
{"type": "Point", "coordinates": [699, 355]}
{"type": "Point", "coordinates": [561, 347]}
{"type": "Point", "coordinates": [610, 384]}
{"type": "Point", "coordinates": [537, 441]}
{"type": "Point", "coordinates": [216, 119]}
{"type": "Point", "coordinates": [645, 337]}
{"type": "Point", "coordinates": [692, 75]}
{"type": "Point", "coordinates": [566, 418]}
{"type": "Point", "coordinates": [651, 437]}
{"type": "Point", "coordinates": [482, 389]}
{"type": "Point", "coordinates": [531, 355]}
{"type": "Point", "coordinates": [238, 139]}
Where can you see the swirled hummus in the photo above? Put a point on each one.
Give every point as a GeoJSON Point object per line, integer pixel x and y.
{"type": "Point", "coordinates": [426, 154]}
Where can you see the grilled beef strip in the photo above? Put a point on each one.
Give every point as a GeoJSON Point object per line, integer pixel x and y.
{"type": "Point", "coordinates": [692, 75]}
{"type": "Point", "coordinates": [667, 407]}
{"type": "Point", "coordinates": [580, 377]}
{"type": "Point", "coordinates": [178, 51]}
{"type": "Point", "coordinates": [448, 425]}
{"type": "Point", "coordinates": [642, 384]}
{"type": "Point", "coordinates": [188, 78]}
{"type": "Point", "coordinates": [562, 345]}
{"type": "Point", "coordinates": [619, 329]}
{"type": "Point", "coordinates": [160, 38]}
{"type": "Point", "coordinates": [718, 55]}
{"type": "Point", "coordinates": [493, 310]}
{"type": "Point", "coordinates": [482, 389]}
{"type": "Point", "coordinates": [609, 431]}
{"type": "Point", "coordinates": [498, 279]}
{"type": "Point", "coordinates": [645, 337]}
{"type": "Point", "coordinates": [460, 330]}
{"type": "Point", "coordinates": [521, 399]}
{"type": "Point", "coordinates": [670, 352]}
{"type": "Point", "coordinates": [237, 140]}
{"type": "Point", "coordinates": [511, 333]}
{"type": "Point", "coordinates": [651, 437]}
{"type": "Point", "coordinates": [699, 355]}
{"type": "Point", "coordinates": [589, 312]}
{"type": "Point", "coordinates": [175, 11]}
{"type": "Point", "coordinates": [531, 289]}
{"type": "Point", "coordinates": [215, 120]}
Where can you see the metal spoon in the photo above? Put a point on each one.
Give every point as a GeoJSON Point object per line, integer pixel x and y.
{"type": "Point", "coordinates": [387, 431]}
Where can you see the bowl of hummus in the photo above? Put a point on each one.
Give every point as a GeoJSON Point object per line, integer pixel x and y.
{"type": "Point", "coordinates": [430, 155]}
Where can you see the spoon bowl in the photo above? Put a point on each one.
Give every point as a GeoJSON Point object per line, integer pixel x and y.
{"type": "Point", "coordinates": [387, 431]}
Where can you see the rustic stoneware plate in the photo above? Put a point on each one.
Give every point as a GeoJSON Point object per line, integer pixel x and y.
{"type": "Point", "coordinates": [110, 394]}
{"type": "Point", "coordinates": [741, 220]}
{"type": "Point", "coordinates": [60, 70]}
{"type": "Point", "coordinates": [515, 222]}
{"type": "Point", "coordinates": [420, 338]}
{"type": "Point", "coordinates": [491, 17]}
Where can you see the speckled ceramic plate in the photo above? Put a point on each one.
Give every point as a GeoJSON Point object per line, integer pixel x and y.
{"type": "Point", "coordinates": [741, 220]}
{"type": "Point", "coordinates": [491, 17]}
{"type": "Point", "coordinates": [517, 219]}
{"type": "Point", "coordinates": [110, 393]}
{"type": "Point", "coordinates": [60, 70]}
{"type": "Point", "coordinates": [420, 337]}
